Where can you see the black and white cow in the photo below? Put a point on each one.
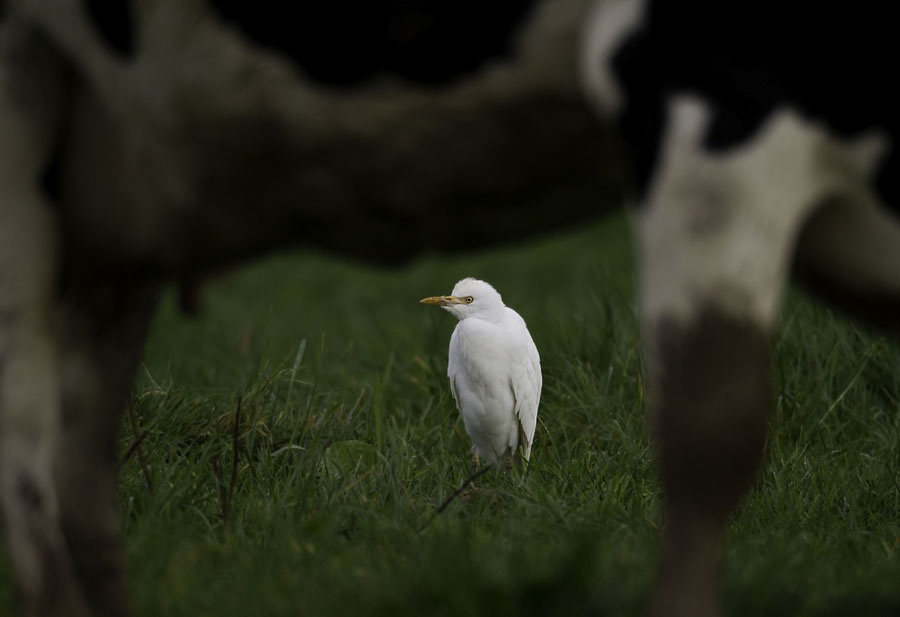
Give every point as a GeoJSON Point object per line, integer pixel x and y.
{"type": "Point", "coordinates": [763, 136]}
{"type": "Point", "coordinates": [144, 141]}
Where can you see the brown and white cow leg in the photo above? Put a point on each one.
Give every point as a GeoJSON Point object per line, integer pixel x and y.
{"type": "Point", "coordinates": [30, 90]}
{"type": "Point", "coordinates": [710, 399]}
{"type": "Point", "coordinates": [716, 240]}
{"type": "Point", "coordinates": [106, 324]}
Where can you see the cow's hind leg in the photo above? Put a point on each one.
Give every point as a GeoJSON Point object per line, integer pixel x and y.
{"type": "Point", "coordinates": [716, 241]}
{"type": "Point", "coordinates": [849, 254]}
{"type": "Point", "coordinates": [31, 88]}
{"type": "Point", "coordinates": [30, 417]}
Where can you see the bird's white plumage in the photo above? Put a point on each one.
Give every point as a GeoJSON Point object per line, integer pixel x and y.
{"type": "Point", "coordinates": [494, 370]}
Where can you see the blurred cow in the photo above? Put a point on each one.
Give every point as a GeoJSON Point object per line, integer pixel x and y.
{"type": "Point", "coordinates": [763, 136]}
{"type": "Point", "coordinates": [149, 141]}
{"type": "Point", "coordinates": [155, 140]}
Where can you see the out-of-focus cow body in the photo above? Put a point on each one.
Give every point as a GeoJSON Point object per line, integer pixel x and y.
{"type": "Point", "coordinates": [152, 140]}
{"type": "Point", "coordinates": [146, 141]}
{"type": "Point", "coordinates": [764, 140]}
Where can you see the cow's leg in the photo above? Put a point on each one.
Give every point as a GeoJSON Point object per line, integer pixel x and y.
{"type": "Point", "coordinates": [716, 240]}
{"type": "Point", "coordinates": [106, 324]}
{"type": "Point", "coordinates": [30, 413]}
{"type": "Point", "coordinates": [710, 406]}
{"type": "Point", "coordinates": [29, 418]}
{"type": "Point", "coordinates": [850, 256]}
{"type": "Point", "coordinates": [31, 88]}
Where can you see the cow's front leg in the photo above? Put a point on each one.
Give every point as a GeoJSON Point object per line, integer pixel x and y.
{"type": "Point", "coordinates": [710, 401]}
{"type": "Point", "coordinates": [716, 240]}
{"type": "Point", "coordinates": [106, 323]}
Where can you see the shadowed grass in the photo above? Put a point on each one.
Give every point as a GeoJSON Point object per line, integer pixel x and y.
{"type": "Point", "coordinates": [348, 440]}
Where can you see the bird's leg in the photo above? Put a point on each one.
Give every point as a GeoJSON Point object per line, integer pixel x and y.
{"type": "Point", "coordinates": [716, 239]}
{"type": "Point", "coordinates": [476, 462]}
{"type": "Point", "coordinates": [474, 476]}
{"type": "Point", "coordinates": [517, 464]}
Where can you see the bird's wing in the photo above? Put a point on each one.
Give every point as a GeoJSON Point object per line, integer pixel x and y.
{"type": "Point", "coordinates": [526, 382]}
{"type": "Point", "coordinates": [453, 365]}
{"type": "Point", "coordinates": [453, 390]}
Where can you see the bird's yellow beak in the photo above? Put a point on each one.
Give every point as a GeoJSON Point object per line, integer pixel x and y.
{"type": "Point", "coordinates": [442, 300]}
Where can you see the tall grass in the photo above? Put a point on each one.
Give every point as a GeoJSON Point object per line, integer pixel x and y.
{"type": "Point", "coordinates": [347, 439]}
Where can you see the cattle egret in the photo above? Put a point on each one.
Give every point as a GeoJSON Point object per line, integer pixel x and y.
{"type": "Point", "coordinates": [494, 370]}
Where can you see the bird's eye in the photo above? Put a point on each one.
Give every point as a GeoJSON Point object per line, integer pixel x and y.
{"type": "Point", "coordinates": [469, 299]}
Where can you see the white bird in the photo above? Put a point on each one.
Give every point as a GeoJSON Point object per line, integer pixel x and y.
{"type": "Point", "coordinates": [494, 370]}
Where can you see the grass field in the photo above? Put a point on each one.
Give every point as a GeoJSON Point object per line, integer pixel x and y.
{"type": "Point", "coordinates": [347, 439]}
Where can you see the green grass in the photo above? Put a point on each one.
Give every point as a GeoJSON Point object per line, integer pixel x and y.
{"type": "Point", "coordinates": [348, 439]}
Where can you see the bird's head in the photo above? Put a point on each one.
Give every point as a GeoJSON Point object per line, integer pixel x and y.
{"type": "Point", "coordinates": [470, 298]}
